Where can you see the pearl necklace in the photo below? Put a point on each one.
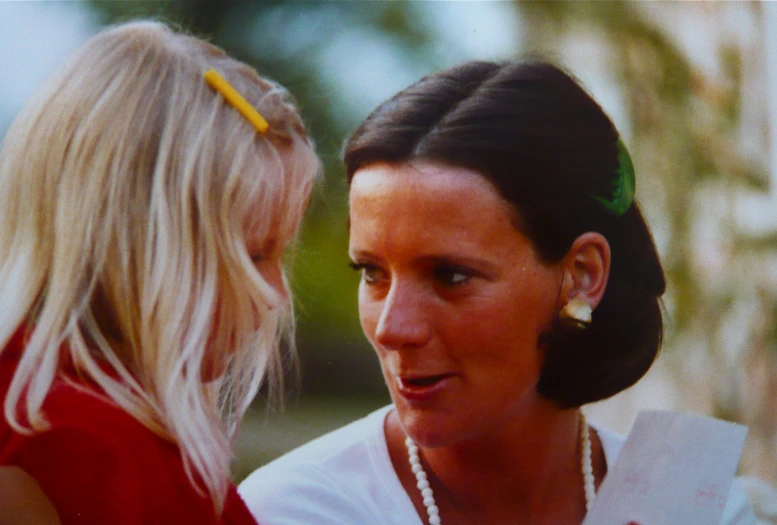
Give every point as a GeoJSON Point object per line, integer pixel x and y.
{"type": "Point", "coordinates": [426, 491]}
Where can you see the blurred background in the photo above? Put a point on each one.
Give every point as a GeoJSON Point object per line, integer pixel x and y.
{"type": "Point", "coordinates": [692, 87]}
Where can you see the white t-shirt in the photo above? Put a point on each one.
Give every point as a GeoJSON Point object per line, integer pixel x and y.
{"type": "Point", "coordinates": [346, 478]}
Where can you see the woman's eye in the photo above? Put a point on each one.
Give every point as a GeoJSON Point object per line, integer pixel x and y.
{"type": "Point", "coordinates": [370, 272]}
{"type": "Point", "coordinates": [451, 276]}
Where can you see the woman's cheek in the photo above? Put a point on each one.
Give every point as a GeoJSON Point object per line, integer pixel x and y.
{"type": "Point", "coordinates": [366, 310]}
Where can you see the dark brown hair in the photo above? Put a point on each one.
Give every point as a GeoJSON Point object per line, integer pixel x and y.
{"type": "Point", "coordinates": [549, 149]}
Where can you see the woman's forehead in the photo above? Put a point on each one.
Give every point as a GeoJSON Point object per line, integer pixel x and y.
{"type": "Point", "coordinates": [429, 209]}
{"type": "Point", "coordinates": [425, 184]}
{"type": "Point", "coordinates": [415, 173]}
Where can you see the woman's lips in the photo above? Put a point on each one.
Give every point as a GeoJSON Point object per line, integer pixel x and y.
{"type": "Point", "coordinates": [422, 388]}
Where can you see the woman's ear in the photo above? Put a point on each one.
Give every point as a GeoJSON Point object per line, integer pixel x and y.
{"type": "Point", "coordinates": [586, 269]}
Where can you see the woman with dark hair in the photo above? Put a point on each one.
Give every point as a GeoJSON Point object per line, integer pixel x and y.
{"type": "Point", "coordinates": [507, 278]}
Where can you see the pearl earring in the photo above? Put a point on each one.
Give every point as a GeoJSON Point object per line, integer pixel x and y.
{"type": "Point", "coordinates": [576, 313]}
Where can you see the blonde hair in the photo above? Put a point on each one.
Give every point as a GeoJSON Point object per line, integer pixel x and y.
{"type": "Point", "coordinates": [128, 188]}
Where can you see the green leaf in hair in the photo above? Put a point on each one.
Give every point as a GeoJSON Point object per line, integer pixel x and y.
{"type": "Point", "coordinates": [623, 185]}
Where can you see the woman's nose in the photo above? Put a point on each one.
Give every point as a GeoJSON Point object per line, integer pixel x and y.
{"type": "Point", "coordinates": [403, 319]}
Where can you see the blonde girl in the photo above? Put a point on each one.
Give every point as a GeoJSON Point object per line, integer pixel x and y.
{"type": "Point", "coordinates": [144, 215]}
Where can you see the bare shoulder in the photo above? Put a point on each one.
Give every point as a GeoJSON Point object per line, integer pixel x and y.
{"type": "Point", "coordinates": [22, 500]}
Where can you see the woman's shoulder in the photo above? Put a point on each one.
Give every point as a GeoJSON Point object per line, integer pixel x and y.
{"type": "Point", "coordinates": [335, 478]}
{"type": "Point", "coordinates": [341, 445]}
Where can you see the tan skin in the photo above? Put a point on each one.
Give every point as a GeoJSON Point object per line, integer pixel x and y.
{"type": "Point", "coordinates": [454, 299]}
{"type": "Point", "coordinates": [22, 502]}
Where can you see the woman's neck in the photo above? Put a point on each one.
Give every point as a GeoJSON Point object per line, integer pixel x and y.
{"type": "Point", "coordinates": [528, 470]}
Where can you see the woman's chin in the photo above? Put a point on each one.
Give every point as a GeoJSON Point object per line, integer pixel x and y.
{"type": "Point", "coordinates": [427, 430]}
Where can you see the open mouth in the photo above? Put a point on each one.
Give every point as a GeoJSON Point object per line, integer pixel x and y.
{"type": "Point", "coordinates": [420, 382]}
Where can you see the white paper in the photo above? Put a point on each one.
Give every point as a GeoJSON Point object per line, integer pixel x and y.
{"type": "Point", "coordinates": [674, 469]}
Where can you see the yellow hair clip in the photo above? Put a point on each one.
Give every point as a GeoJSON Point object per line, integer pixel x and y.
{"type": "Point", "coordinates": [237, 101]}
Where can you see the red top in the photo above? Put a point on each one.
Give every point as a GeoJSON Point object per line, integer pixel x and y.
{"type": "Point", "coordinates": [98, 465]}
